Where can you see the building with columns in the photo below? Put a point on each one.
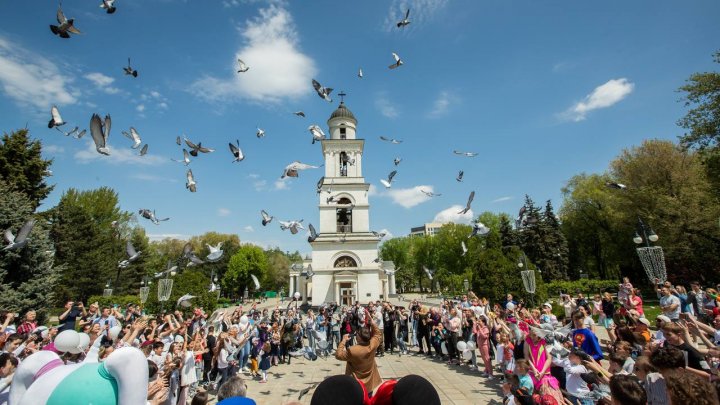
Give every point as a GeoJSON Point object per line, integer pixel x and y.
{"type": "Point", "coordinates": [344, 266]}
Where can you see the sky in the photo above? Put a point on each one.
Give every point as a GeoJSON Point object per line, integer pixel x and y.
{"type": "Point", "coordinates": [541, 91]}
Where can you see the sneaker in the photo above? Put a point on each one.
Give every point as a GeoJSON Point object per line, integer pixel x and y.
{"type": "Point", "coordinates": [485, 375]}
{"type": "Point", "coordinates": [262, 381]}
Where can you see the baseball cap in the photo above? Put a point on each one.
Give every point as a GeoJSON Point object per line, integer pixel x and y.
{"type": "Point", "coordinates": [644, 321]}
{"type": "Point", "coordinates": [547, 304]}
{"type": "Point", "coordinates": [663, 318]}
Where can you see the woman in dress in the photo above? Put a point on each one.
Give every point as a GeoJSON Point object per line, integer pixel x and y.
{"type": "Point", "coordinates": [540, 361]}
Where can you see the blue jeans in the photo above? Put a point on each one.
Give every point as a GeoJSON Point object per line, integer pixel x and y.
{"type": "Point", "coordinates": [414, 339]}
{"type": "Point", "coordinates": [334, 337]}
{"type": "Point", "coordinates": [223, 375]}
{"type": "Point", "coordinates": [311, 339]}
{"type": "Point", "coordinates": [401, 340]}
{"type": "Point", "coordinates": [580, 401]}
{"type": "Point", "coordinates": [244, 354]}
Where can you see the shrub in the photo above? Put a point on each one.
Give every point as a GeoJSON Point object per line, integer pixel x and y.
{"type": "Point", "coordinates": [585, 286]}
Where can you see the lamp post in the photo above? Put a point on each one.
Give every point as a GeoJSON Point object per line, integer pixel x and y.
{"type": "Point", "coordinates": [107, 292]}
{"type": "Point", "coordinates": [245, 294]}
{"type": "Point", "coordinates": [144, 289]}
{"type": "Point", "coordinates": [528, 278]}
{"type": "Point", "coordinates": [466, 284]}
{"type": "Point", "coordinates": [651, 257]}
{"type": "Point", "coordinates": [165, 289]}
{"type": "Point", "coordinates": [296, 298]}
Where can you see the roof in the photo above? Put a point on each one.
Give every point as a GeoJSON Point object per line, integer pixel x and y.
{"type": "Point", "coordinates": [342, 112]}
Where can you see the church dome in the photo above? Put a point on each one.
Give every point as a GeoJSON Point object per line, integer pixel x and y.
{"type": "Point", "coordinates": [342, 112]}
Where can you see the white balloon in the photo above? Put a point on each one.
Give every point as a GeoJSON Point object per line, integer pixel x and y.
{"type": "Point", "coordinates": [510, 306]}
{"type": "Point", "coordinates": [467, 355]}
{"type": "Point", "coordinates": [471, 345]}
{"type": "Point", "coordinates": [244, 320]}
{"type": "Point", "coordinates": [443, 349]}
{"type": "Point", "coordinates": [67, 340]}
{"type": "Point", "coordinates": [461, 346]}
{"type": "Point", "coordinates": [296, 295]}
{"type": "Point", "coordinates": [115, 331]}
{"type": "Point", "coordinates": [84, 341]}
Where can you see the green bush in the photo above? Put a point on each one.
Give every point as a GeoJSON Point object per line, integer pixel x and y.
{"type": "Point", "coordinates": [119, 300]}
{"type": "Point", "coordinates": [586, 286]}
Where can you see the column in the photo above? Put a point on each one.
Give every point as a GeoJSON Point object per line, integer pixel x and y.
{"type": "Point", "coordinates": [391, 281]}
{"type": "Point", "coordinates": [337, 292]}
{"type": "Point", "coordinates": [292, 286]}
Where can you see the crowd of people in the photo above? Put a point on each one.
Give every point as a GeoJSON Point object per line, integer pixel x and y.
{"type": "Point", "coordinates": [538, 355]}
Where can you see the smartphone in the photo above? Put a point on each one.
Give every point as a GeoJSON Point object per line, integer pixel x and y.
{"type": "Point", "coordinates": [685, 316]}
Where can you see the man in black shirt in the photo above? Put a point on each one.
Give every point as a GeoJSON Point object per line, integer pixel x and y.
{"type": "Point", "coordinates": [72, 312]}
{"type": "Point", "coordinates": [211, 341]}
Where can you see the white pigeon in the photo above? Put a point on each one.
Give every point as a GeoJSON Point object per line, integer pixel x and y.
{"type": "Point", "coordinates": [430, 193]}
{"type": "Point", "coordinates": [75, 132]}
{"type": "Point", "coordinates": [469, 202]}
{"type": "Point", "coordinates": [323, 92]}
{"type": "Point", "coordinates": [468, 154]}
{"type": "Point", "coordinates": [134, 136]}
{"type": "Point", "coordinates": [190, 184]}
{"type": "Point", "coordinates": [317, 133]}
{"type": "Point", "coordinates": [293, 226]}
{"type": "Point", "coordinates": [405, 21]}
{"type": "Point", "coordinates": [236, 152]}
{"type": "Point", "coordinates": [266, 218]}
{"type": "Point", "coordinates": [56, 119]}
{"type": "Point", "coordinates": [429, 272]}
{"type": "Point", "coordinates": [100, 131]}
{"type": "Point", "coordinates": [242, 67]}
{"type": "Point", "coordinates": [464, 248]}
{"type": "Point", "coordinates": [391, 140]}
{"type": "Point", "coordinates": [186, 158]}
{"type": "Point", "coordinates": [215, 252]}
{"type": "Point", "coordinates": [617, 186]}
{"type": "Point", "coordinates": [255, 281]}
{"type": "Point", "coordinates": [398, 61]}
{"type": "Point", "coordinates": [19, 241]}
{"type": "Point", "coordinates": [184, 301]}
{"type": "Point", "coordinates": [388, 183]}
{"type": "Point", "coordinates": [260, 132]}
{"type": "Point", "coordinates": [108, 5]}
{"type": "Point", "coordinates": [292, 169]}
{"type": "Point", "coordinates": [360, 73]}
{"type": "Point", "coordinates": [479, 229]}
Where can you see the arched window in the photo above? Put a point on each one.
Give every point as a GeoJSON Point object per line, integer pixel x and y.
{"type": "Point", "coordinates": [343, 216]}
{"type": "Point", "coordinates": [343, 164]}
{"type": "Point", "coordinates": [345, 261]}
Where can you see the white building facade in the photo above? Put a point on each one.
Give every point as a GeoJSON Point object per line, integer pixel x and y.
{"type": "Point", "coordinates": [345, 266]}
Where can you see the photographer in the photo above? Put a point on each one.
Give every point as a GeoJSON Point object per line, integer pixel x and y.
{"type": "Point", "coordinates": [360, 357]}
{"type": "Point", "coordinates": [72, 312]}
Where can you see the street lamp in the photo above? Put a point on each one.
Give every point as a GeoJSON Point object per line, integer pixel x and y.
{"type": "Point", "coordinates": [245, 294]}
{"type": "Point", "coordinates": [165, 286]}
{"type": "Point", "coordinates": [651, 257]}
{"type": "Point", "coordinates": [144, 289]}
{"type": "Point", "coordinates": [528, 277]}
{"type": "Point", "coordinates": [466, 284]}
{"type": "Point", "coordinates": [107, 292]}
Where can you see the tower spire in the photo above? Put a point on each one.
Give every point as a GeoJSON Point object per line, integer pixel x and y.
{"type": "Point", "coordinates": [342, 96]}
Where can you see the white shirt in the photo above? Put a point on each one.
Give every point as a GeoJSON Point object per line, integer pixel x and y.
{"type": "Point", "coordinates": [159, 360]}
{"type": "Point", "coordinates": [222, 359]}
{"type": "Point", "coordinates": [188, 375]}
{"type": "Point", "coordinates": [479, 310]}
{"type": "Point", "coordinates": [574, 383]}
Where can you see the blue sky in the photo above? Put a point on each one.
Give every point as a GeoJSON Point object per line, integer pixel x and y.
{"type": "Point", "coordinates": [541, 90]}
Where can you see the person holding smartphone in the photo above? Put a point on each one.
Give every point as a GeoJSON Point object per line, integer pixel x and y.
{"type": "Point", "coordinates": [72, 312]}
{"type": "Point", "coordinates": [106, 321]}
{"type": "Point", "coordinates": [360, 358]}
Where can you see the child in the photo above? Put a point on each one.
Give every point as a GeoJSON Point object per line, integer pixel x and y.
{"type": "Point", "coordinates": [507, 364]}
{"type": "Point", "coordinates": [624, 290]}
{"type": "Point", "coordinates": [574, 384]}
{"type": "Point", "coordinates": [265, 361]}
{"type": "Point", "coordinates": [522, 367]}
{"type": "Point", "coordinates": [254, 350]}
{"type": "Point", "coordinates": [157, 356]}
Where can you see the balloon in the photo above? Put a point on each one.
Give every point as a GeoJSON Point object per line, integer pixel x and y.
{"type": "Point", "coordinates": [471, 345]}
{"type": "Point", "coordinates": [67, 340]}
{"type": "Point", "coordinates": [510, 306]}
{"type": "Point", "coordinates": [84, 341]}
{"type": "Point", "coordinates": [467, 355]}
{"type": "Point", "coordinates": [244, 320]}
{"type": "Point", "coordinates": [461, 346]}
{"type": "Point", "coordinates": [443, 349]}
{"type": "Point", "coordinates": [296, 295]}
{"type": "Point", "coordinates": [115, 331]}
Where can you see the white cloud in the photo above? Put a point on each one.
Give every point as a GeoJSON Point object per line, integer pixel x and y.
{"type": "Point", "coordinates": [102, 82]}
{"type": "Point", "coordinates": [155, 94]}
{"type": "Point", "coordinates": [407, 197]}
{"type": "Point", "coordinates": [223, 212]}
{"type": "Point", "coordinates": [253, 176]}
{"type": "Point", "coordinates": [54, 149]}
{"type": "Point", "coordinates": [501, 199]}
{"type": "Point", "coordinates": [373, 191]}
{"type": "Point", "coordinates": [32, 80]}
{"type": "Point", "coordinates": [260, 185]}
{"type": "Point", "coordinates": [278, 69]}
{"type": "Point", "coordinates": [451, 215]}
{"type": "Point", "coordinates": [153, 178]}
{"type": "Point", "coordinates": [441, 105]}
{"type": "Point", "coordinates": [249, 229]}
{"type": "Point", "coordinates": [281, 184]}
{"type": "Point", "coordinates": [140, 107]}
{"type": "Point", "coordinates": [420, 11]}
{"type": "Point", "coordinates": [385, 107]}
{"type": "Point", "coordinates": [602, 96]}
{"type": "Point", "coordinates": [117, 156]}
{"type": "Point", "coordinates": [155, 237]}
{"type": "Point", "coordinates": [388, 234]}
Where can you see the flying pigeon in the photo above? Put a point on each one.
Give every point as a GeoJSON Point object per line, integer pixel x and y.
{"type": "Point", "coordinates": [379, 235]}
{"type": "Point", "coordinates": [429, 272]}
{"type": "Point", "coordinates": [323, 92]}
{"type": "Point", "coordinates": [388, 183]}
{"type": "Point", "coordinates": [66, 26]}
{"type": "Point", "coordinates": [309, 271]}
{"type": "Point", "coordinates": [398, 61]}
{"type": "Point", "coordinates": [617, 186]}
{"type": "Point", "coordinates": [215, 253]}
{"type": "Point", "coordinates": [293, 226]}
{"type": "Point", "coordinates": [330, 199]}
{"type": "Point", "coordinates": [100, 132]}
{"type": "Point", "coordinates": [467, 207]}
{"type": "Point", "coordinates": [184, 301]}
{"type": "Point", "coordinates": [313, 234]}
{"type": "Point", "coordinates": [360, 73]}
{"type": "Point", "coordinates": [464, 248]}
{"type": "Point", "coordinates": [144, 150]}
{"type": "Point", "coordinates": [75, 132]}
{"type": "Point", "coordinates": [194, 149]}
{"type": "Point", "coordinates": [266, 218]}
{"type": "Point", "coordinates": [317, 133]}
{"type": "Point", "coordinates": [194, 261]}
{"type": "Point", "coordinates": [405, 21]}
{"type": "Point", "coordinates": [460, 175]}
{"type": "Point", "coordinates": [133, 136]}
{"type": "Point", "coordinates": [479, 229]}
{"type": "Point", "coordinates": [129, 71]}
{"type": "Point", "coordinates": [109, 6]}
{"type": "Point", "coordinates": [391, 140]}
{"type": "Point", "coordinates": [178, 141]}
{"type": "Point", "coordinates": [236, 152]}
{"type": "Point", "coordinates": [292, 169]}
{"type": "Point", "coordinates": [132, 255]}
{"type": "Point", "coordinates": [190, 255]}
{"type": "Point", "coordinates": [190, 184]}
{"type": "Point", "coordinates": [168, 270]}
{"type": "Point", "coordinates": [397, 161]}
{"type": "Point", "coordinates": [521, 213]}
{"type": "Point", "coordinates": [260, 132]}
{"type": "Point", "coordinates": [299, 114]}
{"type": "Point", "coordinates": [56, 119]}
{"type": "Point", "coordinates": [242, 67]}
{"type": "Point", "coordinates": [19, 241]}
{"type": "Point", "coordinates": [147, 214]}
{"type": "Point", "coordinates": [467, 154]}
{"type": "Point", "coordinates": [185, 159]}
{"type": "Point", "coordinates": [255, 281]}
{"type": "Point", "coordinates": [430, 193]}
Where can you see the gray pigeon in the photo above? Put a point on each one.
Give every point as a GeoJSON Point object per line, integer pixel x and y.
{"type": "Point", "coordinates": [397, 161]}
{"type": "Point", "coordinates": [460, 175]}
{"type": "Point", "coordinates": [479, 229]}
{"type": "Point", "coordinates": [190, 184]}
{"type": "Point", "coordinates": [293, 168]}
{"type": "Point", "coordinates": [147, 214]}
{"type": "Point", "coordinates": [266, 218]}
{"type": "Point", "coordinates": [293, 226]}
{"type": "Point", "coordinates": [391, 140]}
{"type": "Point", "coordinates": [100, 132]}
{"type": "Point", "coordinates": [467, 154]}
{"type": "Point", "coordinates": [132, 255]}
{"type": "Point", "coordinates": [323, 92]}
{"type": "Point", "coordinates": [469, 202]}
{"type": "Point", "coordinates": [109, 6]}
{"type": "Point", "coordinates": [75, 132]}
{"type": "Point", "coordinates": [430, 193]}
{"type": "Point", "coordinates": [313, 233]}
{"type": "Point", "coordinates": [186, 158]}
{"type": "Point", "coordinates": [66, 26]}
{"type": "Point", "coordinates": [56, 119]}
{"type": "Point", "coordinates": [129, 71]}
{"type": "Point", "coordinates": [134, 136]}
{"type": "Point", "coordinates": [19, 241]}
{"type": "Point", "coordinates": [299, 114]}
{"type": "Point", "coordinates": [388, 183]}
{"type": "Point", "coordinates": [236, 152]}
{"type": "Point", "coordinates": [194, 149]}
{"type": "Point", "coordinates": [405, 21]}
{"type": "Point", "coordinates": [242, 67]}
{"type": "Point", "coordinates": [398, 61]}
{"type": "Point", "coordinates": [144, 150]}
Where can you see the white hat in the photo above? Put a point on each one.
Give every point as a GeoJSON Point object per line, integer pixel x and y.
{"type": "Point", "coordinates": [644, 321]}
{"type": "Point", "coordinates": [179, 339]}
{"type": "Point", "coordinates": [547, 304]}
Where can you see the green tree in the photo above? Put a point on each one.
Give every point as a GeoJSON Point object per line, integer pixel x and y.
{"type": "Point", "coordinates": [250, 259]}
{"type": "Point", "coordinates": [23, 168]}
{"type": "Point", "coordinates": [397, 250]}
{"type": "Point", "coordinates": [278, 271]}
{"type": "Point", "coordinates": [28, 277]}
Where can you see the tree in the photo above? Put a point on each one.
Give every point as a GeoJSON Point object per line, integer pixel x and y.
{"type": "Point", "coordinates": [278, 272]}
{"type": "Point", "coordinates": [250, 259]}
{"type": "Point", "coordinates": [554, 258]}
{"type": "Point", "coordinates": [28, 277]}
{"type": "Point", "coordinates": [23, 168]}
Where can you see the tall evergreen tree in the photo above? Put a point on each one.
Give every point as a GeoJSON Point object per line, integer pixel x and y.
{"type": "Point", "coordinates": [508, 235]}
{"type": "Point", "coordinates": [23, 168]}
{"type": "Point", "coordinates": [554, 260]}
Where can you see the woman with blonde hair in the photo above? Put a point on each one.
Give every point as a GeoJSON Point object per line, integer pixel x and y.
{"type": "Point", "coordinates": [606, 315]}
